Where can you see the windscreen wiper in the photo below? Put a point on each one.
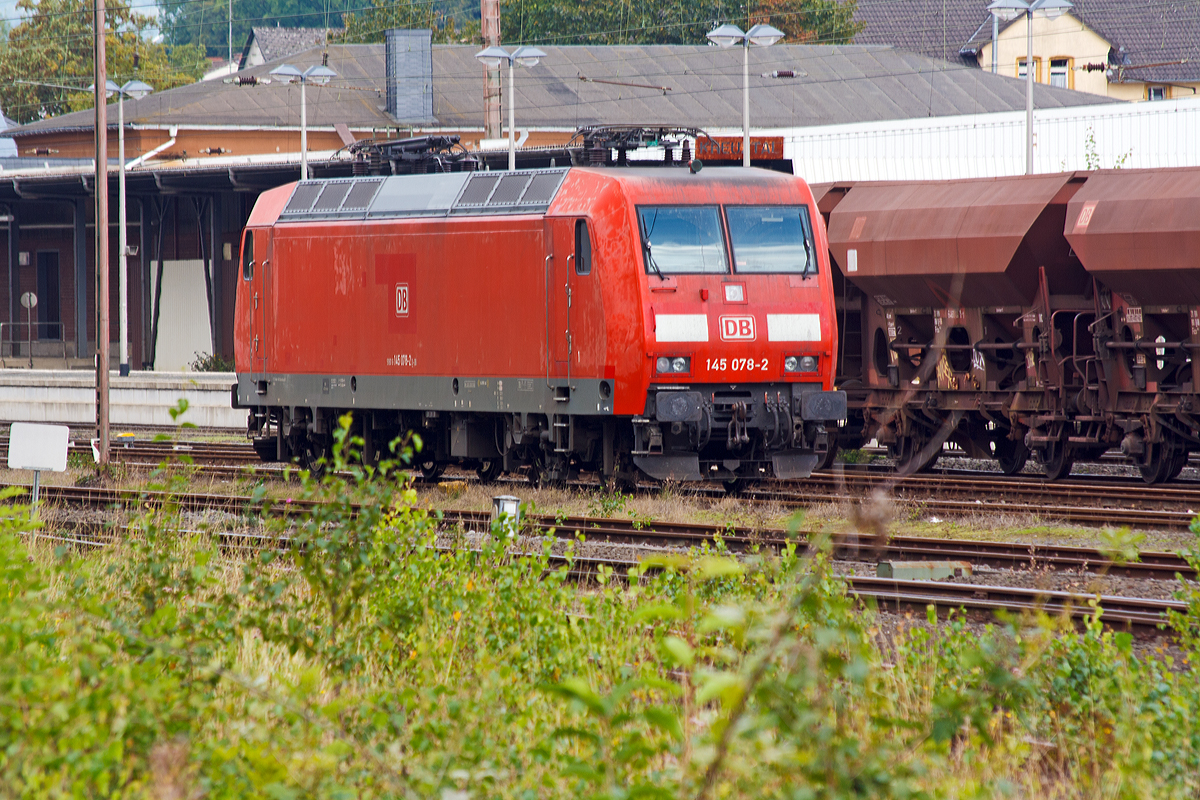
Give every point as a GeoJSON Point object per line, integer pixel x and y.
{"type": "Point", "coordinates": [808, 254]}
{"type": "Point", "coordinates": [646, 245]}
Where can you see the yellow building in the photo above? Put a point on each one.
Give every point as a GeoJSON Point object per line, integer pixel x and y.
{"type": "Point", "coordinates": [1118, 48]}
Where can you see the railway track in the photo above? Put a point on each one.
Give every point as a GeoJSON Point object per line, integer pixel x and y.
{"type": "Point", "coordinates": [1147, 617]}
{"type": "Point", "coordinates": [1140, 614]}
{"type": "Point", "coordinates": [1089, 501]}
{"type": "Point", "coordinates": [1003, 555]}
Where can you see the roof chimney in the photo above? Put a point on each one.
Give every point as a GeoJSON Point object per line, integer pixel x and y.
{"type": "Point", "coordinates": [410, 75]}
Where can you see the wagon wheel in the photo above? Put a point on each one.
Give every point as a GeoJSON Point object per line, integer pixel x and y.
{"type": "Point", "coordinates": [1155, 463]}
{"type": "Point", "coordinates": [1162, 461]}
{"type": "Point", "coordinates": [1010, 454]}
{"type": "Point", "coordinates": [489, 469]}
{"type": "Point", "coordinates": [910, 456]}
{"type": "Point", "coordinates": [1057, 460]}
{"type": "Point", "coordinates": [432, 470]}
{"type": "Point", "coordinates": [1178, 463]}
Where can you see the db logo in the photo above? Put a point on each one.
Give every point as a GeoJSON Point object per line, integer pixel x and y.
{"type": "Point", "coordinates": [737, 329]}
{"type": "Point", "coordinates": [401, 299]}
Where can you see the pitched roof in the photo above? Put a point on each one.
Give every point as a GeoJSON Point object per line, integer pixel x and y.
{"type": "Point", "coordinates": [574, 86]}
{"type": "Point", "coordinates": [276, 43]}
{"type": "Point", "coordinates": [1141, 33]}
{"type": "Point", "coordinates": [933, 28]}
{"type": "Point", "coordinates": [1144, 33]}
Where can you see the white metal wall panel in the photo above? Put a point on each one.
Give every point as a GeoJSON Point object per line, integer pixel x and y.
{"type": "Point", "coordinates": [1131, 135]}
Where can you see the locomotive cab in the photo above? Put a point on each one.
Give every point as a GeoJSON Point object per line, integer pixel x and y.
{"type": "Point", "coordinates": [739, 337]}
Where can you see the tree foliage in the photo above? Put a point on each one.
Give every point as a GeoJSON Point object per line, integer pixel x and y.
{"type": "Point", "coordinates": [206, 22]}
{"type": "Point", "coordinates": [47, 65]}
{"type": "Point", "coordinates": [451, 23]}
{"type": "Point", "coordinates": [603, 22]}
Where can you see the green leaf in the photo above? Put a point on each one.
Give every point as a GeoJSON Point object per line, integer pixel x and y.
{"type": "Point", "coordinates": [723, 618]}
{"type": "Point", "coordinates": [680, 651]}
{"type": "Point", "coordinates": [712, 567]}
{"type": "Point", "coordinates": [656, 611]}
{"type": "Point", "coordinates": [578, 689]}
{"type": "Point", "coordinates": [664, 720]}
{"type": "Point", "coordinates": [725, 685]}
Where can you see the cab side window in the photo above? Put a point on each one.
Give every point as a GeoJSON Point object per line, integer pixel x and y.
{"type": "Point", "coordinates": [583, 248]}
{"type": "Point", "coordinates": [248, 255]}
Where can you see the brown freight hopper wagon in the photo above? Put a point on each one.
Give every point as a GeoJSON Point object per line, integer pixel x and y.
{"type": "Point", "coordinates": [1046, 315]}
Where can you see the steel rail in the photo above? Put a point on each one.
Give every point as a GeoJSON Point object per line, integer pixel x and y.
{"type": "Point", "coordinates": [1007, 555]}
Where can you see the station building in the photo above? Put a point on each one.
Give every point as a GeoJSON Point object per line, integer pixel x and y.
{"type": "Point", "coordinates": [199, 155]}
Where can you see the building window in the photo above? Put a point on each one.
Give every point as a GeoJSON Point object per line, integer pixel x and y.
{"type": "Point", "coordinates": [1156, 92]}
{"type": "Point", "coordinates": [1060, 72]}
{"type": "Point", "coordinates": [1037, 69]}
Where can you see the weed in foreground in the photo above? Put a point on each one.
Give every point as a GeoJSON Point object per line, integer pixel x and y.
{"type": "Point", "coordinates": [347, 654]}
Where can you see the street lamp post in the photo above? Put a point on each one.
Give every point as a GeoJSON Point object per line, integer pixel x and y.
{"type": "Point", "coordinates": [760, 35]}
{"type": "Point", "coordinates": [526, 56]}
{"type": "Point", "coordinates": [318, 74]}
{"type": "Point", "coordinates": [1008, 10]}
{"type": "Point", "coordinates": [135, 89]}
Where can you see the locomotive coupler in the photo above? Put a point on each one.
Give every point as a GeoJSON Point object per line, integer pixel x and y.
{"type": "Point", "coordinates": [739, 434]}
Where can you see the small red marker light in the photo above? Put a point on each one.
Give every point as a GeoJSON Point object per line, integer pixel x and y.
{"type": "Point", "coordinates": [704, 294]}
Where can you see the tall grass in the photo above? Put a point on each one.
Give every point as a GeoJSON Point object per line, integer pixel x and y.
{"type": "Point", "coordinates": [354, 657]}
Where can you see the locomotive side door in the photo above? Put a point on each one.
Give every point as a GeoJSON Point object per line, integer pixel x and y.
{"type": "Point", "coordinates": [560, 250]}
{"type": "Point", "coordinates": [255, 265]}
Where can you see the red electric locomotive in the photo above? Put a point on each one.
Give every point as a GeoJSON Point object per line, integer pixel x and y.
{"type": "Point", "coordinates": [613, 320]}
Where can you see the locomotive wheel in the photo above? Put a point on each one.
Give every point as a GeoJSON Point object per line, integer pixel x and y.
{"type": "Point", "coordinates": [489, 470]}
{"type": "Point", "coordinates": [539, 475]}
{"type": "Point", "coordinates": [1010, 455]}
{"type": "Point", "coordinates": [432, 470]}
{"type": "Point", "coordinates": [1057, 461]}
{"type": "Point", "coordinates": [312, 457]}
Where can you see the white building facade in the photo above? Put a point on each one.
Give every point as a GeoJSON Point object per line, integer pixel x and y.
{"type": "Point", "coordinates": [1125, 135]}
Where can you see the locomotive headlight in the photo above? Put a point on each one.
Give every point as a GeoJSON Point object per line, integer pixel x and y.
{"type": "Point", "coordinates": [800, 364]}
{"type": "Point", "coordinates": [681, 365]}
{"type": "Point", "coordinates": [662, 365]}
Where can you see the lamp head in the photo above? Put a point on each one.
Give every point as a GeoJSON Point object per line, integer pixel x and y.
{"type": "Point", "coordinates": [287, 73]}
{"type": "Point", "coordinates": [1008, 10]}
{"type": "Point", "coordinates": [493, 56]}
{"type": "Point", "coordinates": [1051, 9]}
{"type": "Point", "coordinates": [136, 89]}
{"type": "Point", "coordinates": [319, 74]}
{"type": "Point", "coordinates": [110, 88]}
{"type": "Point", "coordinates": [726, 35]}
{"type": "Point", "coordinates": [528, 56]}
{"type": "Point", "coordinates": [764, 35]}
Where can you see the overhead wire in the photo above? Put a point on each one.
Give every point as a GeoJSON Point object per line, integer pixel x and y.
{"type": "Point", "coordinates": [432, 3]}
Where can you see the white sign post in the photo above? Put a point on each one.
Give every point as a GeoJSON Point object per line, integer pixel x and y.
{"type": "Point", "coordinates": [38, 447]}
{"type": "Point", "coordinates": [29, 300]}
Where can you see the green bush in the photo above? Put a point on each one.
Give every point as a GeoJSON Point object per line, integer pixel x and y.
{"type": "Point", "coordinates": [352, 652]}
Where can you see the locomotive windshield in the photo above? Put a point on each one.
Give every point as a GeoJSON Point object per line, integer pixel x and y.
{"type": "Point", "coordinates": [771, 239]}
{"type": "Point", "coordinates": [682, 239]}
